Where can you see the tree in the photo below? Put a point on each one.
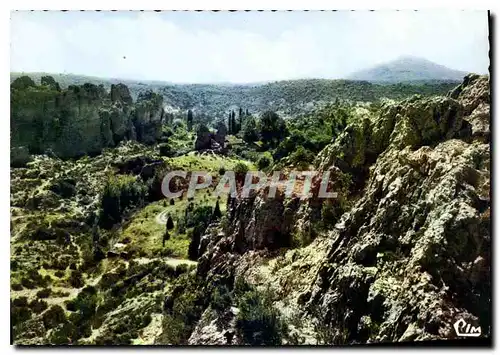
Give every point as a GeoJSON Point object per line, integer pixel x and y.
{"type": "Point", "coordinates": [272, 128]}
{"type": "Point", "coordinates": [240, 119]}
{"type": "Point", "coordinates": [250, 133]}
{"type": "Point", "coordinates": [264, 162]}
{"type": "Point", "coordinates": [170, 223]}
{"type": "Point", "coordinates": [190, 120]}
{"type": "Point", "coordinates": [23, 82]}
{"type": "Point", "coordinates": [233, 122]}
{"type": "Point", "coordinates": [195, 243]}
{"type": "Point", "coordinates": [240, 171]}
{"type": "Point", "coordinates": [229, 125]}
{"type": "Point", "coordinates": [217, 213]}
{"type": "Point", "coordinates": [47, 80]}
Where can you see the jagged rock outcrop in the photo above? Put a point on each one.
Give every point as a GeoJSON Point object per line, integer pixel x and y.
{"type": "Point", "coordinates": [147, 117]}
{"type": "Point", "coordinates": [206, 140]}
{"type": "Point", "coordinates": [216, 329]}
{"type": "Point", "coordinates": [411, 256]}
{"type": "Point", "coordinates": [82, 119]}
{"type": "Point", "coordinates": [474, 96]}
{"type": "Point", "coordinates": [120, 93]}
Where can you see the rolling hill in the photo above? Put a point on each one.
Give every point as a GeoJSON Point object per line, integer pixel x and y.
{"type": "Point", "coordinates": [408, 69]}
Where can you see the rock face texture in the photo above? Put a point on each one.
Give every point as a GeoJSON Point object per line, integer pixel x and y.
{"type": "Point", "coordinates": [412, 255]}
{"type": "Point", "coordinates": [206, 140]}
{"type": "Point", "coordinates": [80, 119]}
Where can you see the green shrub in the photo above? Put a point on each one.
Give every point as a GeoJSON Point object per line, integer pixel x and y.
{"type": "Point", "coordinates": [76, 279]}
{"type": "Point", "coordinates": [38, 306]}
{"type": "Point", "coordinates": [166, 150]}
{"type": "Point", "coordinates": [264, 162]}
{"type": "Point", "coordinates": [53, 316]}
{"type": "Point", "coordinates": [86, 302]}
{"type": "Point", "coordinates": [241, 168]}
{"type": "Point", "coordinates": [20, 302]}
{"type": "Point", "coordinates": [258, 322]}
{"type": "Point", "coordinates": [221, 299]}
{"type": "Point", "coordinates": [302, 157]}
{"type": "Point", "coordinates": [19, 157]}
{"type": "Point", "coordinates": [183, 308]}
{"type": "Point", "coordinates": [44, 293]}
{"type": "Point", "coordinates": [63, 334]}
{"type": "Point", "coordinates": [19, 314]}
{"type": "Point", "coordinates": [121, 194]}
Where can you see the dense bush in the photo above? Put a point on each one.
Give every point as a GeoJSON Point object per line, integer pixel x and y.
{"type": "Point", "coordinates": [19, 157]}
{"type": "Point", "coordinates": [240, 170]}
{"type": "Point", "coordinates": [44, 293]}
{"type": "Point", "coordinates": [272, 128]}
{"type": "Point", "coordinates": [38, 306]}
{"type": "Point", "coordinates": [301, 158]}
{"type": "Point", "coordinates": [166, 150]}
{"type": "Point", "coordinates": [258, 322]}
{"type": "Point", "coordinates": [53, 316]}
{"type": "Point", "coordinates": [121, 194]}
{"type": "Point", "coordinates": [221, 299]}
{"type": "Point", "coordinates": [182, 309]}
{"type": "Point", "coordinates": [264, 162]}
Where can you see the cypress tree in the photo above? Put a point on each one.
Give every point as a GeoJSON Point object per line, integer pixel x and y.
{"type": "Point", "coordinates": [233, 122]}
{"type": "Point", "coordinates": [170, 223]}
{"type": "Point", "coordinates": [190, 120]}
{"type": "Point", "coordinates": [240, 118]}
{"type": "Point", "coordinates": [217, 213]}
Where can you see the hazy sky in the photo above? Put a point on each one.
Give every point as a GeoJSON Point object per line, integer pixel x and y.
{"type": "Point", "coordinates": [242, 46]}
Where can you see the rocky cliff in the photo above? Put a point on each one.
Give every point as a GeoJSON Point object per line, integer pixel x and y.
{"type": "Point", "coordinates": [82, 119]}
{"type": "Point", "coordinates": [410, 255]}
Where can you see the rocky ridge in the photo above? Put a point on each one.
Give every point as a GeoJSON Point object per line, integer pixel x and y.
{"type": "Point", "coordinates": [406, 261]}
{"type": "Point", "coordinates": [79, 120]}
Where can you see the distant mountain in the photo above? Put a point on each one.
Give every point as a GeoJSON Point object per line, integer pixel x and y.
{"type": "Point", "coordinates": [408, 69]}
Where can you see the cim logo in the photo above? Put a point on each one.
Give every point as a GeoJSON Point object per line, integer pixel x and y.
{"type": "Point", "coordinates": [464, 329]}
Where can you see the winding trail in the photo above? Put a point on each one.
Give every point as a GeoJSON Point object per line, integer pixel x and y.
{"type": "Point", "coordinates": [161, 218]}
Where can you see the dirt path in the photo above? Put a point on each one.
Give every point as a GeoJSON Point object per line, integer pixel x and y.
{"type": "Point", "coordinates": [161, 218]}
{"type": "Point", "coordinates": [171, 261]}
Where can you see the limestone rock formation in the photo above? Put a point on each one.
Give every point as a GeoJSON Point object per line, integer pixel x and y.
{"type": "Point", "coordinates": [120, 93]}
{"type": "Point", "coordinates": [407, 259]}
{"type": "Point", "coordinates": [80, 119]}
{"type": "Point", "coordinates": [411, 256]}
{"type": "Point", "coordinates": [206, 140]}
{"type": "Point", "coordinates": [147, 117]}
